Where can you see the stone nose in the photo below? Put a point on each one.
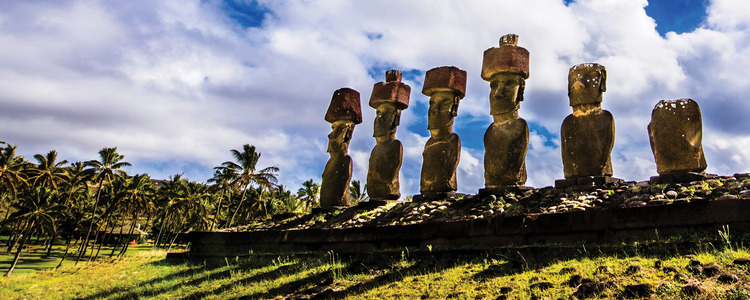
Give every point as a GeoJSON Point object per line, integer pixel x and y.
{"type": "Point", "coordinates": [577, 85]}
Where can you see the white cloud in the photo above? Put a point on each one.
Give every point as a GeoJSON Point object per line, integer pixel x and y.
{"type": "Point", "coordinates": [176, 84]}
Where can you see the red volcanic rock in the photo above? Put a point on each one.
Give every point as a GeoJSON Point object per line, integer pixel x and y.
{"type": "Point", "coordinates": [344, 106]}
{"type": "Point", "coordinates": [506, 58]}
{"type": "Point", "coordinates": [392, 90]}
{"type": "Point", "coordinates": [450, 79]}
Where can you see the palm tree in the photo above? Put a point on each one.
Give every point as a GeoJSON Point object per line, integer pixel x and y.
{"type": "Point", "coordinates": [223, 178]}
{"type": "Point", "coordinates": [35, 213]}
{"type": "Point", "coordinates": [310, 191]}
{"type": "Point", "coordinates": [357, 193]}
{"type": "Point", "coordinates": [171, 200]}
{"type": "Point", "coordinates": [12, 176]}
{"type": "Point", "coordinates": [138, 194]}
{"type": "Point", "coordinates": [48, 171]}
{"type": "Point", "coordinates": [78, 178]}
{"type": "Point", "coordinates": [106, 169]}
{"type": "Point", "coordinates": [244, 166]}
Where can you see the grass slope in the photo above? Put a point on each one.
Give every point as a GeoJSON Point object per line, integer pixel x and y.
{"type": "Point", "coordinates": [500, 273]}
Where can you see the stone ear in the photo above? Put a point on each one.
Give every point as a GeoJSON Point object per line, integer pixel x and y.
{"type": "Point", "coordinates": [396, 119]}
{"type": "Point", "coordinates": [521, 88]}
{"type": "Point", "coordinates": [603, 81]}
{"type": "Point", "coordinates": [454, 107]}
{"type": "Point", "coordinates": [348, 134]}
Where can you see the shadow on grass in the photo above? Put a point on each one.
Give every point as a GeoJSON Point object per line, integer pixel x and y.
{"type": "Point", "coordinates": [198, 274]}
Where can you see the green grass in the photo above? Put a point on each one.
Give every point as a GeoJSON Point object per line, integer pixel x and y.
{"type": "Point", "coordinates": [399, 273]}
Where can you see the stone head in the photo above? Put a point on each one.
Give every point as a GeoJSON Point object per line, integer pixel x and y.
{"type": "Point", "coordinates": [387, 119]}
{"type": "Point", "coordinates": [389, 98]}
{"type": "Point", "coordinates": [338, 139]}
{"type": "Point", "coordinates": [445, 86]}
{"type": "Point", "coordinates": [443, 108]}
{"type": "Point", "coordinates": [506, 92]}
{"type": "Point", "coordinates": [586, 84]}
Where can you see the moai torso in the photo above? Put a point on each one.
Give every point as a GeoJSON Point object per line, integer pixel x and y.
{"type": "Point", "coordinates": [343, 113]}
{"type": "Point", "coordinates": [587, 135]}
{"type": "Point", "coordinates": [382, 176]}
{"type": "Point", "coordinates": [507, 138]}
{"type": "Point", "coordinates": [445, 86]}
{"type": "Point", "coordinates": [334, 189]}
{"type": "Point", "coordinates": [439, 162]}
{"type": "Point", "coordinates": [676, 134]}
{"type": "Point", "coordinates": [587, 142]}
{"type": "Point", "coordinates": [388, 98]}
{"type": "Point", "coordinates": [506, 144]}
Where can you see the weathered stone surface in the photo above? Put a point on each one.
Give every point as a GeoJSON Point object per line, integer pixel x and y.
{"type": "Point", "coordinates": [675, 133]}
{"type": "Point", "coordinates": [507, 138]}
{"type": "Point", "coordinates": [506, 58]}
{"type": "Point", "coordinates": [439, 162]}
{"type": "Point", "coordinates": [638, 291]}
{"type": "Point", "coordinates": [727, 278]}
{"type": "Point", "coordinates": [506, 144]}
{"type": "Point", "coordinates": [588, 134]}
{"type": "Point", "coordinates": [591, 289]}
{"type": "Point", "coordinates": [391, 91]}
{"type": "Point", "coordinates": [442, 151]}
{"type": "Point", "coordinates": [445, 79]}
{"type": "Point", "coordinates": [344, 107]}
{"type": "Point", "coordinates": [382, 175]}
{"type": "Point", "coordinates": [343, 113]}
{"type": "Point", "coordinates": [386, 156]}
{"type": "Point", "coordinates": [334, 189]}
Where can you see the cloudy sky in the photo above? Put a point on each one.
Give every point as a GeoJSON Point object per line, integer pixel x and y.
{"type": "Point", "coordinates": [176, 84]}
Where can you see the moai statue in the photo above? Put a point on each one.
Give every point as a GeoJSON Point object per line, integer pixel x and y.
{"type": "Point", "coordinates": [445, 86]}
{"type": "Point", "coordinates": [507, 138]}
{"type": "Point", "coordinates": [343, 113]}
{"type": "Point", "coordinates": [588, 134]}
{"type": "Point", "coordinates": [675, 133]}
{"type": "Point", "coordinates": [388, 98]}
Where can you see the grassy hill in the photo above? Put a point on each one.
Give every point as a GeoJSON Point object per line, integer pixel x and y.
{"type": "Point", "coordinates": [687, 268]}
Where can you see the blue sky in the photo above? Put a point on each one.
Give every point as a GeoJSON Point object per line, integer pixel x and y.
{"type": "Point", "coordinates": [176, 84]}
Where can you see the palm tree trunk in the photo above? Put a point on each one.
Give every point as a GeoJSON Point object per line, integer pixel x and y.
{"type": "Point", "coordinates": [177, 233]}
{"type": "Point", "coordinates": [16, 235]}
{"type": "Point", "coordinates": [93, 216]}
{"type": "Point", "coordinates": [18, 252]}
{"type": "Point", "coordinates": [218, 210]}
{"type": "Point", "coordinates": [114, 247]}
{"type": "Point", "coordinates": [242, 199]}
{"type": "Point", "coordinates": [105, 238]}
{"type": "Point", "coordinates": [2, 226]}
{"type": "Point", "coordinates": [70, 239]}
{"type": "Point", "coordinates": [161, 229]}
{"type": "Point", "coordinates": [130, 233]}
{"type": "Point", "coordinates": [49, 246]}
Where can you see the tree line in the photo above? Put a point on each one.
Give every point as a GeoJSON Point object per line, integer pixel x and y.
{"type": "Point", "coordinates": [89, 204]}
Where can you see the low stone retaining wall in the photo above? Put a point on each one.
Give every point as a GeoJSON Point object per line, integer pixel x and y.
{"type": "Point", "coordinates": [595, 225]}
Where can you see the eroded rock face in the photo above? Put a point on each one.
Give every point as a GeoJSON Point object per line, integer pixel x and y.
{"type": "Point", "coordinates": [343, 113]}
{"type": "Point", "coordinates": [507, 139]}
{"type": "Point", "coordinates": [445, 86]}
{"type": "Point", "coordinates": [588, 134]}
{"type": "Point", "coordinates": [676, 133]}
{"type": "Point", "coordinates": [389, 99]}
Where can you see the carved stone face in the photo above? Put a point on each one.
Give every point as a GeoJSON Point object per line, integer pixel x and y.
{"type": "Point", "coordinates": [506, 93]}
{"type": "Point", "coordinates": [338, 139]}
{"type": "Point", "coordinates": [586, 85]}
{"type": "Point", "coordinates": [443, 108]}
{"type": "Point", "coordinates": [386, 120]}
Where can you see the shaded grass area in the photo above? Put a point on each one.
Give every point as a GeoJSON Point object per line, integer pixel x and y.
{"type": "Point", "coordinates": [426, 273]}
{"type": "Point", "coordinates": [34, 257]}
